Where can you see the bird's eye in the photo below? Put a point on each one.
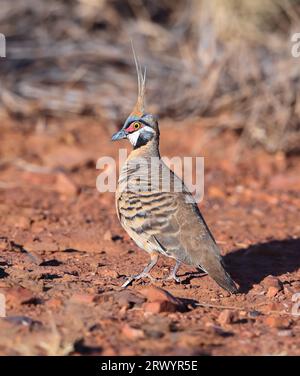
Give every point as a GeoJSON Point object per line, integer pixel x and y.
{"type": "Point", "coordinates": [136, 126]}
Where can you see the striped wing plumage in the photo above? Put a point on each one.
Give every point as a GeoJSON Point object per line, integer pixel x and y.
{"type": "Point", "coordinates": [171, 223]}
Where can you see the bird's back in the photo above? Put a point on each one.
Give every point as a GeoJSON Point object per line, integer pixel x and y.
{"type": "Point", "coordinates": [164, 217]}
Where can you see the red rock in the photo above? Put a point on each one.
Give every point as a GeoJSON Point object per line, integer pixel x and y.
{"type": "Point", "coordinates": [154, 294]}
{"type": "Point", "coordinates": [107, 235]}
{"type": "Point", "coordinates": [109, 273]}
{"type": "Point", "coordinates": [257, 289]}
{"type": "Point", "coordinates": [128, 298]}
{"type": "Point", "coordinates": [160, 306]}
{"type": "Point", "coordinates": [160, 300]}
{"type": "Point", "coordinates": [272, 281]}
{"type": "Point", "coordinates": [132, 333]}
{"type": "Point", "coordinates": [273, 291]}
{"type": "Point", "coordinates": [226, 317]}
{"type": "Point", "coordinates": [277, 322]}
{"type": "Point", "coordinates": [288, 290]}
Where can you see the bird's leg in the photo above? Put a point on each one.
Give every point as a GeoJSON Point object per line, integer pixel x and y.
{"type": "Point", "coordinates": [173, 272]}
{"type": "Point", "coordinates": [145, 272]}
{"type": "Point", "coordinates": [201, 271]}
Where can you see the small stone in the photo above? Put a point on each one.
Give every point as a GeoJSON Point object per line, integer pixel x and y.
{"type": "Point", "coordinates": [271, 281]}
{"type": "Point", "coordinates": [109, 273]}
{"type": "Point", "coordinates": [254, 314]}
{"type": "Point", "coordinates": [226, 317]}
{"type": "Point", "coordinates": [123, 311]}
{"type": "Point", "coordinates": [257, 289]}
{"type": "Point", "coordinates": [273, 291]}
{"type": "Point", "coordinates": [160, 306]}
{"type": "Point", "coordinates": [160, 300]}
{"type": "Point", "coordinates": [132, 333]}
{"type": "Point", "coordinates": [277, 322]}
{"type": "Point", "coordinates": [288, 290]}
{"type": "Point", "coordinates": [107, 235]}
{"type": "Point", "coordinates": [153, 294]}
{"type": "Point", "coordinates": [128, 298]}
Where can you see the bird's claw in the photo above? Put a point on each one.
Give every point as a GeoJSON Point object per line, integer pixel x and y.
{"type": "Point", "coordinates": [136, 277]}
{"type": "Point", "coordinates": [172, 277]}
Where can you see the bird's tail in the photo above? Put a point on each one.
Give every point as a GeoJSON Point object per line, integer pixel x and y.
{"type": "Point", "coordinates": [213, 265]}
{"type": "Point", "coordinates": [223, 279]}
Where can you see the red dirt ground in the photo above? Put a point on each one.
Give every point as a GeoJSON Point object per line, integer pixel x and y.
{"type": "Point", "coordinates": [64, 254]}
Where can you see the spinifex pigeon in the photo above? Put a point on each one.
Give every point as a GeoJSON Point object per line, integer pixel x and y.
{"type": "Point", "coordinates": [160, 219]}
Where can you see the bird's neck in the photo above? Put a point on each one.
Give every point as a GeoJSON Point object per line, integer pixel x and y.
{"type": "Point", "coordinates": [150, 149]}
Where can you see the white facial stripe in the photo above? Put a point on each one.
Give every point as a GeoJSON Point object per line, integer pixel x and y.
{"type": "Point", "coordinates": [148, 129]}
{"type": "Point", "coordinates": [133, 137]}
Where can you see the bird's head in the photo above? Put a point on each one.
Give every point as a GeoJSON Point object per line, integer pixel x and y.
{"type": "Point", "coordinates": [140, 127]}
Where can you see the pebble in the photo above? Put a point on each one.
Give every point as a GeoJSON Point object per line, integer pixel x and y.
{"type": "Point", "coordinates": [226, 317]}
{"type": "Point", "coordinates": [132, 333]}
{"type": "Point", "coordinates": [272, 291]}
{"type": "Point", "coordinates": [271, 281]}
{"type": "Point", "coordinates": [160, 300]}
{"type": "Point", "coordinates": [277, 322]}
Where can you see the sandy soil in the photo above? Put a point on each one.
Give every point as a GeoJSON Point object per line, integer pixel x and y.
{"type": "Point", "coordinates": [64, 256]}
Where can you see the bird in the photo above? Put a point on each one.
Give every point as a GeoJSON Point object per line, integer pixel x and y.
{"type": "Point", "coordinates": [161, 221]}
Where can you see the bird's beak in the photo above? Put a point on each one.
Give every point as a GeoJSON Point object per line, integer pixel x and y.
{"type": "Point", "coordinates": [119, 135]}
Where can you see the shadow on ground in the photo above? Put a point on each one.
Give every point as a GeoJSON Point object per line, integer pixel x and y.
{"type": "Point", "coordinates": [251, 265]}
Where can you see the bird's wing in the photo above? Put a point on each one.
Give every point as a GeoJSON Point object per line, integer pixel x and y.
{"type": "Point", "coordinates": [171, 223]}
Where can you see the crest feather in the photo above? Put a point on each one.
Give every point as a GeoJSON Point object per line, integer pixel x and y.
{"type": "Point", "coordinates": [139, 107]}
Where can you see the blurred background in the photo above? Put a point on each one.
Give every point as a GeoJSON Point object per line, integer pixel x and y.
{"type": "Point", "coordinates": [222, 78]}
{"type": "Point", "coordinates": [226, 61]}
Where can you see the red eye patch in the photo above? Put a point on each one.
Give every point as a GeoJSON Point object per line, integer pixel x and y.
{"type": "Point", "coordinates": [133, 127]}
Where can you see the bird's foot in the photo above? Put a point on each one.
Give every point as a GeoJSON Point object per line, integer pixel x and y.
{"type": "Point", "coordinates": [137, 277]}
{"type": "Point", "coordinates": [172, 277]}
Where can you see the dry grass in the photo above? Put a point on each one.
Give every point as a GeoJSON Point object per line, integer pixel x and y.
{"type": "Point", "coordinates": [227, 60]}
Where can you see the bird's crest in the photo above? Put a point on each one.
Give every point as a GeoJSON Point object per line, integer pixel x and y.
{"type": "Point", "coordinates": [138, 109]}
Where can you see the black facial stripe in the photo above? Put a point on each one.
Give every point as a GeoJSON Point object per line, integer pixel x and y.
{"type": "Point", "coordinates": [145, 123]}
{"type": "Point", "coordinates": [134, 130]}
{"type": "Point", "coordinates": [143, 139]}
